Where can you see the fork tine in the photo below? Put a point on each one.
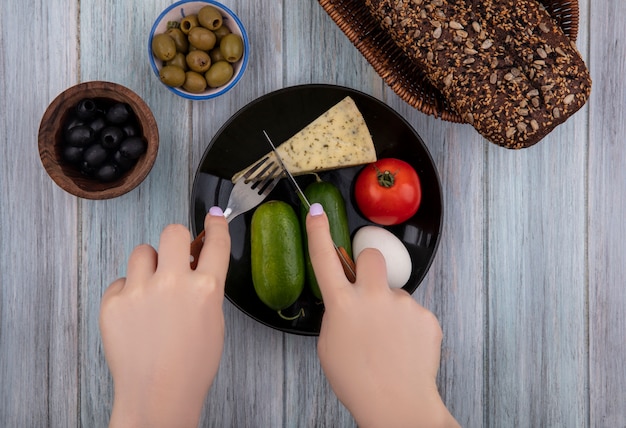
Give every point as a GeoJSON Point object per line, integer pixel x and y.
{"type": "Point", "coordinates": [254, 168]}
{"type": "Point", "coordinates": [267, 184]}
{"type": "Point", "coordinates": [266, 166]}
{"type": "Point", "coordinates": [263, 174]}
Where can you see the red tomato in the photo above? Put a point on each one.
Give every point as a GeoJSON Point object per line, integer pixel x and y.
{"type": "Point", "coordinates": [388, 191]}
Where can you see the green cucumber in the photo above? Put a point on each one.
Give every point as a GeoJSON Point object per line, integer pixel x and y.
{"type": "Point", "coordinates": [278, 272]}
{"type": "Point", "coordinates": [330, 197]}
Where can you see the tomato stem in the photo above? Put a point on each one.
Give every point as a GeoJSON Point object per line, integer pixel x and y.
{"type": "Point", "coordinates": [386, 178]}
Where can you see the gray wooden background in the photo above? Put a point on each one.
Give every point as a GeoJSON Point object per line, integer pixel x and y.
{"type": "Point", "coordinates": [528, 283]}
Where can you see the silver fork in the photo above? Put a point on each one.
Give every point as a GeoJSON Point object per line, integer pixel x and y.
{"type": "Point", "coordinates": [249, 191]}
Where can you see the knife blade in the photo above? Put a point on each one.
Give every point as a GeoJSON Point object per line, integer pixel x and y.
{"type": "Point", "coordinates": [347, 263]}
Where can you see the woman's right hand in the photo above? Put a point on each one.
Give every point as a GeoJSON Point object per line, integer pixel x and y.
{"type": "Point", "coordinates": [379, 349]}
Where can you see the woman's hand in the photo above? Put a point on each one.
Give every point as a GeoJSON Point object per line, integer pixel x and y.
{"type": "Point", "coordinates": [163, 327]}
{"type": "Point", "coordinates": [379, 349]}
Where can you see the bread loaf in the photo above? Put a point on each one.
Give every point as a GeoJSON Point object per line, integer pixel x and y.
{"type": "Point", "coordinates": [504, 65]}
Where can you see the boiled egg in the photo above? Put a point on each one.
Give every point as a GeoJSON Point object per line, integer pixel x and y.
{"type": "Point", "coordinates": [397, 258]}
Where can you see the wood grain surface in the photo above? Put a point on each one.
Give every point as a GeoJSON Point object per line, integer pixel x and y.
{"type": "Point", "coordinates": [528, 283]}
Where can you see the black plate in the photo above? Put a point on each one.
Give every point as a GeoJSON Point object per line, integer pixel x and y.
{"type": "Point", "coordinates": [282, 114]}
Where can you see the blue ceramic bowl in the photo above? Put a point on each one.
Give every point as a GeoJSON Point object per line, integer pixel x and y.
{"type": "Point", "coordinates": [181, 9]}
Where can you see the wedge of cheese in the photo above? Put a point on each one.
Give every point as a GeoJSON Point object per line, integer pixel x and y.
{"type": "Point", "coordinates": [339, 138]}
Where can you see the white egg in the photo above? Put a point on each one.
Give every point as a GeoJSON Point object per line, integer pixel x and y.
{"type": "Point", "coordinates": [397, 258]}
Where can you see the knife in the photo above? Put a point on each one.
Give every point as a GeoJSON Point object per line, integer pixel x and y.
{"type": "Point", "coordinates": [347, 263]}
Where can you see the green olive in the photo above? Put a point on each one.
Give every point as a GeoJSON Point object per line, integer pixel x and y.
{"type": "Point", "coordinates": [199, 61]}
{"type": "Point", "coordinates": [202, 38]}
{"type": "Point", "coordinates": [188, 22]}
{"type": "Point", "coordinates": [163, 47]}
{"type": "Point", "coordinates": [232, 47]}
{"type": "Point", "coordinates": [180, 39]}
{"type": "Point", "coordinates": [216, 55]}
{"type": "Point", "coordinates": [210, 17]}
{"type": "Point", "coordinates": [172, 75]}
{"type": "Point", "coordinates": [221, 32]}
{"type": "Point", "coordinates": [178, 60]}
{"type": "Point", "coordinates": [219, 73]}
{"type": "Point", "coordinates": [194, 82]}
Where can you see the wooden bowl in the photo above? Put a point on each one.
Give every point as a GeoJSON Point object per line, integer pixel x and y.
{"type": "Point", "coordinates": [67, 176]}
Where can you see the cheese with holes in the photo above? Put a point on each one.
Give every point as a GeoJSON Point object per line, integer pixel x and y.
{"type": "Point", "coordinates": [339, 138]}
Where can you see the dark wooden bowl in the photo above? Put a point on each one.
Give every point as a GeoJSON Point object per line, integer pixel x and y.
{"type": "Point", "coordinates": [51, 135]}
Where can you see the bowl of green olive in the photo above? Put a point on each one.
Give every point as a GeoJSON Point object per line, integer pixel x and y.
{"type": "Point", "coordinates": [198, 49]}
{"type": "Point", "coordinates": [98, 140]}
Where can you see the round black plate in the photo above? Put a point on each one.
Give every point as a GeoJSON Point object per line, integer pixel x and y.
{"type": "Point", "coordinates": [282, 114]}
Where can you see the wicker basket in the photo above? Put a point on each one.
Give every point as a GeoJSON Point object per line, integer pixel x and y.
{"type": "Point", "coordinates": [397, 70]}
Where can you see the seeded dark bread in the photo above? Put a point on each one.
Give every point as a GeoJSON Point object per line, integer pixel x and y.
{"type": "Point", "coordinates": [505, 65]}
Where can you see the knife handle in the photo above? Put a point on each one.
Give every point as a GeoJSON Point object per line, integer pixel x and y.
{"type": "Point", "coordinates": [349, 268]}
{"type": "Point", "coordinates": [196, 247]}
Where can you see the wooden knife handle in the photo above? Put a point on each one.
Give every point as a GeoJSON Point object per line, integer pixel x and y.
{"type": "Point", "coordinates": [196, 247]}
{"type": "Point", "coordinates": [349, 268]}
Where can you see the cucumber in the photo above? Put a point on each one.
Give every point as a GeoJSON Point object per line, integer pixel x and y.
{"type": "Point", "coordinates": [334, 205]}
{"type": "Point", "coordinates": [278, 272]}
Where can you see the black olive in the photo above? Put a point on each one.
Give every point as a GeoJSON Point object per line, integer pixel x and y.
{"type": "Point", "coordinates": [86, 108]}
{"type": "Point", "coordinates": [123, 162]}
{"type": "Point", "coordinates": [73, 154]}
{"type": "Point", "coordinates": [79, 136]}
{"type": "Point", "coordinates": [107, 172]}
{"type": "Point", "coordinates": [111, 137]}
{"type": "Point", "coordinates": [95, 155]}
{"type": "Point", "coordinates": [132, 147]}
{"type": "Point", "coordinates": [72, 122]}
{"type": "Point", "coordinates": [131, 130]}
{"type": "Point", "coordinates": [87, 169]}
{"type": "Point", "coordinates": [98, 124]}
{"type": "Point", "coordinates": [119, 113]}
